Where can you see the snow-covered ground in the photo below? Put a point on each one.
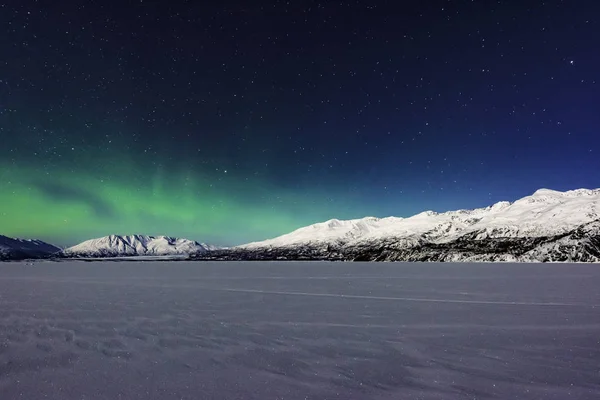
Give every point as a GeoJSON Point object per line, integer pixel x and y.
{"type": "Point", "coordinates": [296, 331]}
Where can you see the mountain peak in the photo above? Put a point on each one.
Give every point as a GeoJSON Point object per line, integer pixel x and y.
{"type": "Point", "coordinates": [544, 191]}
{"type": "Point", "coordinates": [135, 245]}
{"type": "Point", "coordinates": [568, 193]}
{"type": "Point", "coordinates": [428, 213]}
{"type": "Point", "coordinates": [500, 205]}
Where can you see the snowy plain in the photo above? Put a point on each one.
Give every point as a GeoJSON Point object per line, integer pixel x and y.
{"type": "Point", "coordinates": [298, 330]}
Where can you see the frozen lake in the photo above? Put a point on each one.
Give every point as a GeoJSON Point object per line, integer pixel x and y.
{"type": "Point", "coordinates": [208, 330]}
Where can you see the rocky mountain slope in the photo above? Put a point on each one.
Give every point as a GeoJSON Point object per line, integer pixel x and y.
{"type": "Point", "coordinates": [19, 249]}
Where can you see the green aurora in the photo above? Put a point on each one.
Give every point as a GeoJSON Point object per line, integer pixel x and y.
{"type": "Point", "coordinates": [68, 205]}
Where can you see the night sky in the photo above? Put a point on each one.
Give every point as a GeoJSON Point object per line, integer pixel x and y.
{"type": "Point", "coordinates": [229, 122]}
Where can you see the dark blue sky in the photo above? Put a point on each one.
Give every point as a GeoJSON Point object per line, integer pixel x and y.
{"type": "Point", "coordinates": [299, 110]}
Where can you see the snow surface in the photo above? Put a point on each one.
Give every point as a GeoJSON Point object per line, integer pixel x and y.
{"type": "Point", "coordinates": [136, 245]}
{"type": "Point", "coordinates": [544, 213]}
{"type": "Point", "coordinates": [299, 330]}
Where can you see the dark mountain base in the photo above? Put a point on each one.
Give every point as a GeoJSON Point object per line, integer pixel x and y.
{"type": "Point", "coordinates": [24, 255]}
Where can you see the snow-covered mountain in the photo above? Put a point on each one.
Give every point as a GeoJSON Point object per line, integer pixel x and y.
{"type": "Point", "coordinates": [546, 212]}
{"type": "Point", "coordinates": [546, 226]}
{"type": "Point", "coordinates": [535, 228]}
{"type": "Point", "coordinates": [11, 249]}
{"type": "Point", "coordinates": [136, 245]}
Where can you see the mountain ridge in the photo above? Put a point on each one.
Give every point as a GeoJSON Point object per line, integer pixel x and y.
{"type": "Point", "coordinates": [544, 213]}
{"type": "Point", "coordinates": [136, 245]}
{"type": "Point", "coordinates": [548, 225]}
{"type": "Point", "coordinates": [580, 245]}
{"type": "Point", "coordinates": [16, 249]}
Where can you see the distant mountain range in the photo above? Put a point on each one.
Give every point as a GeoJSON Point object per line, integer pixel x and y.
{"type": "Point", "coordinates": [546, 226]}
{"type": "Point", "coordinates": [105, 247]}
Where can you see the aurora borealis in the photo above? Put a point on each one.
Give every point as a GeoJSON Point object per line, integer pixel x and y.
{"type": "Point", "coordinates": [118, 196]}
{"type": "Point", "coordinates": [73, 206]}
{"type": "Point", "coordinates": [233, 122]}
